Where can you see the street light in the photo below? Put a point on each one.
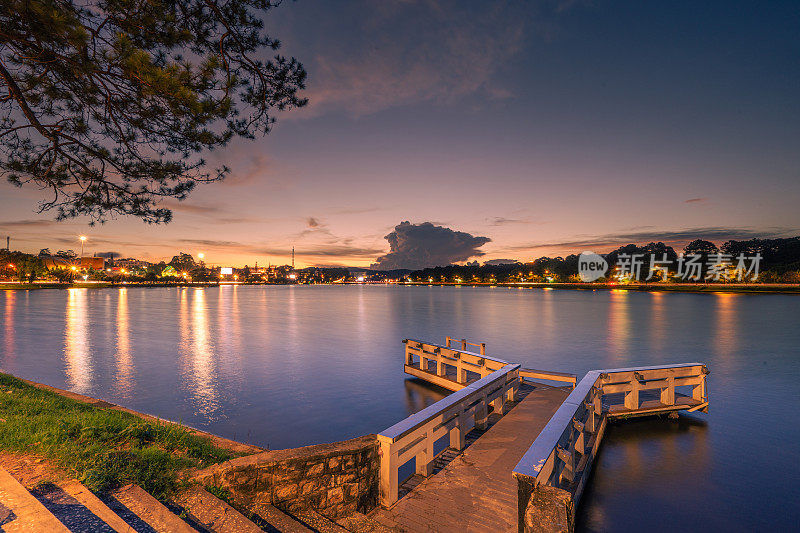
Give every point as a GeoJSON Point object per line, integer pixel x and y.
{"type": "Point", "coordinates": [83, 240]}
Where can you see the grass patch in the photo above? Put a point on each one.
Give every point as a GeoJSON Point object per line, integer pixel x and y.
{"type": "Point", "coordinates": [103, 448]}
{"type": "Point", "coordinates": [221, 493]}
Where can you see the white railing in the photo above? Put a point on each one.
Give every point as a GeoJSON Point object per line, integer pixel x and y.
{"type": "Point", "coordinates": [431, 362]}
{"type": "Point", "coordinates": [448, 341]}
{"type": "Point", "coordinates": [454, 415]}
{"type": "Point", "coordinates": [562, 454]}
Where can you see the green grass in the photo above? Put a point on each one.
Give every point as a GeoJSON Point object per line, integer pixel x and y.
{"type": "Point", "coordinates": [221, 493]}
{"type": "Point", "coordinates": [103, 448]}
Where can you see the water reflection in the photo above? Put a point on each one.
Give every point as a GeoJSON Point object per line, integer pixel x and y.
{"type": "Point", "coordinates": [619, 325]}
{"type": "Point", "coordinates": [293, 359]}
{"type": "Point", "coordinates": [547, 318]}
{"type": "Point", "coordinates": [651, 453]}
{"type": "Point", "coordinates": [197, 354]}
{"type": "Point", "coordinates": [658, 322]}
{"type": "Point", "coordinates": [236, 324]}
{"type": "Point", "coordinates": [8, 351]}
{"type": "Point", "coordinates": [420, 395]}
{"type": "Point", "coordinates": [76, 341]}
{"type": "Point", "coordinates": [725, 330]}
{"type": "Point", "coordinates": [124, 381]}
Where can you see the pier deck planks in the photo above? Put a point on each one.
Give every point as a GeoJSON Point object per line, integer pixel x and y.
{"type": "Point", "coordinates": [476, 491]}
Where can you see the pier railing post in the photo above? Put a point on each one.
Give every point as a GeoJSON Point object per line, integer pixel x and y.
{"type": "Point", "coordinates": [513, 389]}
{"type": "Point", "coordinates": [632, 394]}
{"type": "Point", "coordinates": [481, 414]}
{"type": "Point", "coordinates": [388, 485]}
{"type": "Point", "coordinates": [499, 404]}
{"type": "Point", "coordinates": [458, 434]}
{"type": "Point", "coordinates": [461, 372]}
{"type": "Point", "coordinates": [424, 458]}
{"type": "Point", "coordinates": [699, 390]}
{"type": "Point", "coordinates": [668, 392]}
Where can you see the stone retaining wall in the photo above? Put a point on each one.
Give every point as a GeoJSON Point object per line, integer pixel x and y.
{"type": "Point", "coordinates": [334, 479]}
{"type": "Point", "coordinates": [543, 509]}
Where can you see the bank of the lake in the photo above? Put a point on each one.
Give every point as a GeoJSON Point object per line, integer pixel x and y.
{"type": "Point", "coordinates": [287, 366]}
{"type": "Point", "coordinates": [100, 444]}
{"type": "Point", "coordinates": [742, 288]}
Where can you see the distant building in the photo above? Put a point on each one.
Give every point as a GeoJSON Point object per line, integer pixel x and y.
{"type": "Point", "coordinates": [92, 263]}
{"type": "Point", "coordinates": [80, 263]}
{"type": "Point", "coordinates": [169, 272]}
{"type": "Point", "coordinates": [56, 261]}
{"type": "Point", "coordinates": [131, 264]}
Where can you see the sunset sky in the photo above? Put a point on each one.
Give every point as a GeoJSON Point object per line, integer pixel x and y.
{"type": "Point", "coordinates": [547, 127]}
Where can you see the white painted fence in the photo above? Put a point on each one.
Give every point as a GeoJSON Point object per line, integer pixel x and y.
{"type": "Point", "coordinates": [454, 415]}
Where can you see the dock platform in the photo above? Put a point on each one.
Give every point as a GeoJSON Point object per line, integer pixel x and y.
{"type": "Point", "coordinates": [503, 454]}
{"type": "Point", "coordinates": [476, 490]}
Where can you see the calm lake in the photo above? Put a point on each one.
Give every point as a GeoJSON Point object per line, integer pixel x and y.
{"type": "Point", "coordinates": [284, 366]}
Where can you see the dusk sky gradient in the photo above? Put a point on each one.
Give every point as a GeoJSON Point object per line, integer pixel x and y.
{"type": "Point", "coordinates": [547, 127]}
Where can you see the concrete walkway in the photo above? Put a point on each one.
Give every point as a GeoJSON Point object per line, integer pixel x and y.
{"type": "Point", "coordinates": [476, 491]}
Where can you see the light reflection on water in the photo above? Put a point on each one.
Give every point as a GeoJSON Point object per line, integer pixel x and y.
{"type": "Point", "coordinates": [8, 319]}
{"type": "Point", "coordinates": [197, 353]}
{"type": "Point", "coordinates": [76, 338]}
{"type": "Point", "coordinates": [619, 333]}
{"type": "Point", "coordinates": [125, 382]}
{"type": "Point", "coordinates": [289, 366]}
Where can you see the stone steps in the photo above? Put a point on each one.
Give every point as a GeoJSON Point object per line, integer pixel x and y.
{"type": "Point", "coordinates": [69, 507]}
{"type": "Point", "coordinates": [273, 519]}
{"type": "Point", "coordinates": [361, 523]}
{"type": "Point", "coordinates": [150, 510]}
{"type": "Point", "coordinates": [71, 512]}
{"type": "Point", "coordinates": [320, 524]}
{"type": "Point", "coordinates": [214, 514]}
{"type": "Point", "coordinates": [25, 512]}
{"type": "Point", "coordinates": [87, 498]}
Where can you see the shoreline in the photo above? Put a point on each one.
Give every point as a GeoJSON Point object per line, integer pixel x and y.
{"type": "Point", "coordinates": [738, 288]}
{"type": "Point", "coordinates": [744, 288]}
{"type": "Point", "coordinates": [332, 479]}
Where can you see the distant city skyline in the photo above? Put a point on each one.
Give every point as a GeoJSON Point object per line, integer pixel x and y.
{"type": "Point", "coordinates": [547, 128]}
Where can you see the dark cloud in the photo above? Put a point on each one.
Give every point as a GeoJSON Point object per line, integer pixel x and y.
{"type": "Point", "coordinates": [494, 262]}
{"type": "Point", "coordinates": [315, 225]}
{"type": "Point", "coordinates": [214, 213]}
{"type": "Point", "coordinates": [108, 255]}
{"type": "Point", "coordinates": [28, 224]}
{"type": "Point", "coordinates": [696, 201]}
{"type": "Point", "coordinates": [502, 221]}
{"type": "Point", "coordinates": [672, 238]}
{"type": "Point", "coordinates": [416, 246]}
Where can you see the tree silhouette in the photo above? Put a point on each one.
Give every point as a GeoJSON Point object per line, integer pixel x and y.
{"type": "Point", "coordinates": [106, 105]}
{"type": "Point", "coordinates": [700, 247]}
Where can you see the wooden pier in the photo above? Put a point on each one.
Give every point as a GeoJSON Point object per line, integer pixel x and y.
{"type": "Point", "coordinates": [504, 454]}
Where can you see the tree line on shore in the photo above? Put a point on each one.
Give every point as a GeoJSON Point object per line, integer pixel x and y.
{"type": "Point", "coordinates": [24, 267]}
{"type": "Point", "coordinates": [780, 263]}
